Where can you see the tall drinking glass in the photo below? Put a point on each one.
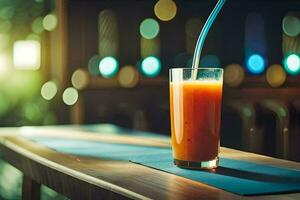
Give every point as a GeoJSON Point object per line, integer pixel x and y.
{"type": "Point", "coordinates": [195, 105]}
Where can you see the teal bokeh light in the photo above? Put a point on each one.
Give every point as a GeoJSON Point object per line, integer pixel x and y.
{"type": "Point", "coordinates": [108, 67]}
{"type": "Point", "coordinates": [256, 64]}
{"type": "Point", "coordinates": [149, 28]}
{"type": "Point", "coordinates": [292, 64]}
{"type": "Point", "coordinates": [210, 61]}
{"type": "Point", "coordinates": [151, 66]}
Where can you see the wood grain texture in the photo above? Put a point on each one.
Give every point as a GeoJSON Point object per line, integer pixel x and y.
{"type": "Point", "coordinates": [88, 178]}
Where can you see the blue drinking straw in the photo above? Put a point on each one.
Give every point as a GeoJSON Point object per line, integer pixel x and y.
{"type": "Point", "coordinates": [203, 34]}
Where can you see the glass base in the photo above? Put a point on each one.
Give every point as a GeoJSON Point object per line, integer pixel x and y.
{"type": "Point", "coordinates": [210, 164]}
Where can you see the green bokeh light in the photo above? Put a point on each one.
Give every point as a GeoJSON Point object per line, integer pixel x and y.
{"type": "Point", "coordinates": [93, 65]}
{"type": "Point", "coordinates": [291, 25]}
{"type": "Point", "coordinates": [149, 28]}
{"type": "Point", "coordinates": [108, 67]}
{"type": "Point", "coordinates": [151, 66]}
{"type": "Point", "coordinates": [37, 25]}
{"type": "Point", "coordinates": [32, 112]}
{"type": "Point", "coordinates": [7, 12]}
{"type": "Point", "coordinates": [49, 90]}
{"type": "Point", "coordinates": [292, 64]}
{"type": "Point", "coordinates": [50, 22]}
{"type": "Point", "coordinates": [70, 96]}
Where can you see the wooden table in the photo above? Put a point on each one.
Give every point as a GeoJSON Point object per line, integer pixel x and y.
{"type": "Point", "coordinates": [89, 178]}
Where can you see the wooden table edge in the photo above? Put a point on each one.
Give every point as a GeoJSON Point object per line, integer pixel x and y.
{"type": "Point", "coordinates": [6, 143]}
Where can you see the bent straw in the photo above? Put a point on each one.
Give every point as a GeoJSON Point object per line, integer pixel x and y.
{"type": "Point", "coordinates": [203, 34]}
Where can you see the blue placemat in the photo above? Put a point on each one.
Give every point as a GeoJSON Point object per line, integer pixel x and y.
{"type": "Point", "coordinates": [240, 177]}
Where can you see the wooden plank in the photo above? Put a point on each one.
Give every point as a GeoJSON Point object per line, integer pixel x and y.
{"type": "Point", "coordinates": [80, 177]}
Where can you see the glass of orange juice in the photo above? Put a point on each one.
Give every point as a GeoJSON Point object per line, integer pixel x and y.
{"type": "Point", "coordinates": [195, 107]}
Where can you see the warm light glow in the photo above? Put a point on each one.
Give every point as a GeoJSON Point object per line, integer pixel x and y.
{"type": "Point", "coordinates": [70, 96]}
{"type": "Point", "coordinates": [234, 75]}
{"type": "Point", "coordinates": [50, 22]}
{"type": "Point", "coordinates": [79, 79]}
{"type": "Point", "coordinates": [275, 75]}
{"type": "Point", "coordinates": [27, 54]}
{"type": "Point", "coordinates": [149, 28]}
{"type": "Point", "coordinates": [108, 67]}
{"type": "Point", "coordinates": [292, 64]}
{"type": "Point", "coordinates": [128, 76]}
{"type": "Point", "coordinates": [151, 66]}
{"type": "Point", "coordinates": [291, 25]}
{"type": "Point", "coordinates": [165, 10]}
{"type": "Point", "coordinates": [49, 90]}
{"type": "Point", "coordinates": [256, 64]}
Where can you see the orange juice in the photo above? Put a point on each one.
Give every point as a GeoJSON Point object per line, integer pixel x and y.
{"type": "Point", "coordinates": [195, 119]}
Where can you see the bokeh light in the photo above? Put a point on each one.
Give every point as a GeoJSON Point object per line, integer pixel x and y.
{"type": "Point", "coordinates": [234, 75]}
{"type": "Point", "coordinates": [37, 25]}
{"type": "Point", "coordinates": [275, 75]}
{"type": "Point", "coordinates": [32, 112]}
{"type": "Point", "coordinates": [256, 64]}
{"type": "Point", "coordinates": [128, 76]}
{"type": "Point", "coordinates": [165, 10]}
{"type": "Point", "coordinates": [70, 96]}
{"type": "Point", "coordinates": [7, 12]}
{"type": "Point", "coordinates": [291, 25]}
{"type": "Point", "coordinates": [27, 54]}
{"type": "Point", "coordinates": [50, 22]}
{"type": "Point", "coordinates": [292, 64]}
{"type": "Point", "coordinates": [93, 65]}
{"type": "Point", "coordinates": [79, 79]}
{"type": "Point", "coordinates": [151, 66]}
{"type": "Point", "coordinates": [49, 90]}
{"type": "Point", "coordinates": [210, 61]}
{"type": "Point", "coordinates": [108, 67]}
{"type": "Point", "coordinates": [149, 28]}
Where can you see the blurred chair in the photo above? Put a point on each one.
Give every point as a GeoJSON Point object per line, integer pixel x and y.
{"type": "Point", "coordinates": [295, 134]}
{"type": "Point", "coordinates": [231, 128]}
{"type": "Point", "coordinates": [252, 138]}
{"type": "Point", "coordinates": [276, 127]}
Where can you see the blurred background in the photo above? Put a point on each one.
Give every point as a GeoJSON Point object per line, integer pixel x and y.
{"type": "Point", "coordinates": [107, 61]}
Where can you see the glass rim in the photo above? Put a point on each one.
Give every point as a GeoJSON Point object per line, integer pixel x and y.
{"type": "Point", "coordinates": [193, 68]}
